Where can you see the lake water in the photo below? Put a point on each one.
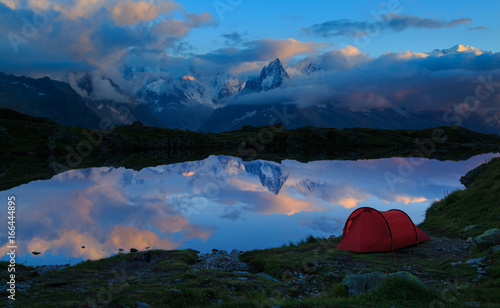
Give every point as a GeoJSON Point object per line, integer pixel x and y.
{"type": "Point", "coordinates": [221, 202]}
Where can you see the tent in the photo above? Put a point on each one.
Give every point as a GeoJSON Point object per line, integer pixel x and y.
{"type": "Point", "coordinates": [369, 230]}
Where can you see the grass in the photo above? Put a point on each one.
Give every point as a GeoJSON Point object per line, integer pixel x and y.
{"type": "Point", "coordinates": [478, 204]}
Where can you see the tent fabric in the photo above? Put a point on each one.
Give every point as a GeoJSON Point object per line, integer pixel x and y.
{"type": "Point", "coordinates": [369, 230]}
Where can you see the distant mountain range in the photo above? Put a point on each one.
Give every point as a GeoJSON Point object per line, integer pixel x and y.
{"type": "Point", "coordinates": [211, 103]}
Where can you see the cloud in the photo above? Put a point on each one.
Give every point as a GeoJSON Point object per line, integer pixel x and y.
{"type": "Point", "coordinates": [255, 54]}
{"type": "Point", "coordinates": [263, 50]}
{"type": "Point", "coordinates": [394, 22]}
{"type": "Point", "coordinates": [104, 34]}
{"type": "Point", "coordinates": [477, 28]}
{"type": "Point", "coordinates": [233, 38]}
{"type": "Point", "coordinates": [133, 12]}
{"type": "Point", "coordinates": [415, 81]}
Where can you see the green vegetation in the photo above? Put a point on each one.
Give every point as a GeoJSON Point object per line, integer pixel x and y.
{"type": "Point", "coordinates": [479, 205]}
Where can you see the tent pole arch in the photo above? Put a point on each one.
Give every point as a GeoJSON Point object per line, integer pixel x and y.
{"type": "Point", "coordinates": [361, 209]}
{"type": "Point", "coordinates": [414, 228]}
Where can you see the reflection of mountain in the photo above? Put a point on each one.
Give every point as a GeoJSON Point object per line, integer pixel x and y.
{"type": "Point", "coordinates": [218, 170]}
{"type": "Point", "coordinates": [270, 174]}
{"type": "Point", "coordinates": [305, 186]}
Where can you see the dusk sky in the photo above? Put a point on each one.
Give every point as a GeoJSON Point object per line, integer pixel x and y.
{"type": "Point", "coordinates": [372, 54]}
{"type": "Point", "coordinates": [84, 35]}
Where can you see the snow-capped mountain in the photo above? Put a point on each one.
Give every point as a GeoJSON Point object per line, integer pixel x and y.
{"type": "Point", "coordinates": [303, 67]}
{"type": "Point", "coordinates": [232, 86]}
{"type": "Point", "coordinates": [271, 77]}
{"type": "Point", "coordinates": [188, 101]}
{"type": "Point", "coordinates": [458, 49]}
{"type": "Point", "coordinates": [183, 102]}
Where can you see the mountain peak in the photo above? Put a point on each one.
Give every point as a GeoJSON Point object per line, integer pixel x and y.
{"type": "Point", "coordinates": [271, 77]}
{"type": "Point", "coordinates": [458, 49]}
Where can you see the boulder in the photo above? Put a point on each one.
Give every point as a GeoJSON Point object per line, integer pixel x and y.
{"type": "Point", "coordinates": [475, 260]}
{"type": "Point", "coordinates": [468, 228]}
{"type": "Point", "coordinates": [361, 283]}
{"type": "Point", "coordinates": [471, 176]}
{"type": "Point", "coordinates": [496, 248]}
{"type": "Point", "coordinates": [490, 236]}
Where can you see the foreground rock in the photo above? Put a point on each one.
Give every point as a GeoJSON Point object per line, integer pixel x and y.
{"type": "Point", "coordinates": [361, 283]}
{"type": "Point", "coordinates": [221, 260]}
{"type": "Point", "coordinates": [490, 236]}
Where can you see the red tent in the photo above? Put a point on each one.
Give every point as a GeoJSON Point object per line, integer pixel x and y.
{"type": "Point", "coordinates": [369, 230]}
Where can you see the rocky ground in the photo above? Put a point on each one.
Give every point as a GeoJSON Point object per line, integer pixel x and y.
{"type": "Point", "coordinates": [431, 262]}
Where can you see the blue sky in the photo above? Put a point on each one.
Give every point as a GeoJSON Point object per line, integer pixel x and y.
{"type": "Point", "coordinates": [81, 35]}
{"type": "Point", "coordinates": [281, 20]}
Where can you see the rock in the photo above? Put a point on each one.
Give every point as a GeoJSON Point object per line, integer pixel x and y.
{"type": "Point", "coordinates": [361, 283]}
{"type": "Point", "coordinates": [142, 305]}
{"type": "Point", "coordinates": [175, 290]}
{"type": "Point", "coordinates": [455, 263]}
{"type": "Point", "coordinates": [490, 236]}
{"type": "Point", "coordinates": [120, 249]}
{"type": "Point", "coordinates": [235, 253]}
{"type": "Point", "coordinates": [221, 261]}
{"type": "Point", "coordinates": [83, 247]}
{"type": "Point", "coordinates": [220, 302]}
{"type": "Point", "coordinates": [470, 176]}
{"type": "Point", "coordinates": [475, 260]}
{"type": "Point", "coordinates": [471, 241]}
{"type": "Point", "coordinates": [481, 271]}
{"type": "Point", "coordinates": [468, 228]}
{"type": "Point", "coordinates": [495, 248]}
{"type": "Point", "coordinates": [133, 249]}
{"type": "Point", "coordinates": [35, 253]}
{"type": "Point", "coordinates": [264, 275]}
{"type": "Point", "coordinates": [473, 304]}
{"type": "Point", "coordinates": [478, 278]}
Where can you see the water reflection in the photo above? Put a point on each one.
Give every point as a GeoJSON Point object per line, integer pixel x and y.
{"type": "Point", "coordinates": [220, 202]}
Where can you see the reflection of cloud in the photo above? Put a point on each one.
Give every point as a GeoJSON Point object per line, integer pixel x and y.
{"type": "Point", "coordinates": [283, 204]}
{"type": "Point", "coordinates": [323, 223]}
{"type": "Point", "coordinates": [69, 243]}
{"type": "Point", "coordinates": [406, 199]}
{"type": "Point", "coordinates": [128, 236]}
{"type": "Point", "coordinates": [174, 224]}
